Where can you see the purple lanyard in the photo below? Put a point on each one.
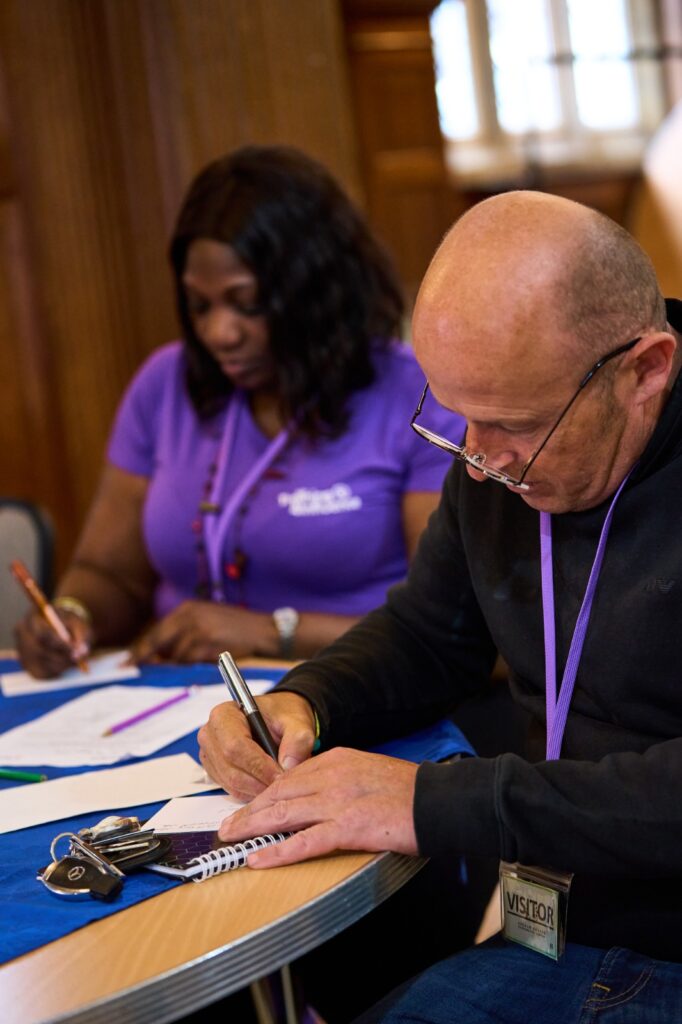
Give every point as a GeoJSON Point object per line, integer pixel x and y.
{"type": "Point", "coordinates": [217, 527]}
{"type": "Point", "coordinates": [557, 710]}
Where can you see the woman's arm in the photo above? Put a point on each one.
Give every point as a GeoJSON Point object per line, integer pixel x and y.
{"type": "Point", "coordinates": [110, 575]}
{"type": "Point", "coordinates": [417, 507]}
{"type": "Point", "coordinates": [201, 630]}
{"type": "Point", "coordinates": [110, 571]}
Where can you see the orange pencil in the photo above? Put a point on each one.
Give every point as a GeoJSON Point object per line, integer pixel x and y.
{"type": "Point", "coordinates": [25, 580]}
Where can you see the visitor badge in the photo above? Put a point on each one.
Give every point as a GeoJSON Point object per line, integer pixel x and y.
{"type": "Point", "coordinates": [534, 907]}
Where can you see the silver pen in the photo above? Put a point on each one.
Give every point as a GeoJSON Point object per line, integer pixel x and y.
{"type": "Point", "coordinates": [241, 694]}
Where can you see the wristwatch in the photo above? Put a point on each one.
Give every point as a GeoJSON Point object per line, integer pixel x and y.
{"type": "Point", "coordinates": [286, 623]}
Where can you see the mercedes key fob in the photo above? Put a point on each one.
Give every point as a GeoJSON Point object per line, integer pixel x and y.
{"type": "Point", "coordinates": [75, 878]}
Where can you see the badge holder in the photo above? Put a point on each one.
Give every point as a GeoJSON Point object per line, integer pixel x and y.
{"type": "Point", "coordinates": [99, 857]}
{"type": "Point", "coordinates": [535, 907]}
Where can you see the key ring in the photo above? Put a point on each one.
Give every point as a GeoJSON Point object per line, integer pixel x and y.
{"type": "Point", "coordinates": [77, 848]}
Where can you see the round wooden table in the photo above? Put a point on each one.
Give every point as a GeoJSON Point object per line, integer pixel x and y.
{"type": "Point", "coordinates": [194, 944]}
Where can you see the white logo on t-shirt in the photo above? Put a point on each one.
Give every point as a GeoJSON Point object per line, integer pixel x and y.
{"type": "Point", "coordinates": [305, 501]}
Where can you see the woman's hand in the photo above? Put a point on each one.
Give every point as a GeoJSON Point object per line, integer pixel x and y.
{"type": "Point", "coordinates": [41, 651]}
{"type": "Point", "coordinates": [233, 759]}
{"type": "Point", "coordinates": [201, 630]}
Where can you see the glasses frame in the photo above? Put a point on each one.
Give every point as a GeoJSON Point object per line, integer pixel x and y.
{"type": "Point", "coordinates": [478, 459]}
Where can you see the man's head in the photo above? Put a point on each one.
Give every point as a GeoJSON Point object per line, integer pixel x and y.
{"type": "Point", "coordinates": [526, 293]}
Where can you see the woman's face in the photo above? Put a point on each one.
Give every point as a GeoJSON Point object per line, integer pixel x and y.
{"type": "Point", "coordinates": [223, 303]}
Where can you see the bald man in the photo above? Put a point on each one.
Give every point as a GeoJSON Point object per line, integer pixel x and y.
{"type": "Point", "coordinates": [558, 543]}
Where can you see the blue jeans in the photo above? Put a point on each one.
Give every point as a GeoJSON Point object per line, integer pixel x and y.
{"type": "Point", "coordinates": [502, 983]}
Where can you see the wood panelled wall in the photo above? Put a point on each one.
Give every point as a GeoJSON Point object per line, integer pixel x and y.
{"type": "Point", "coordinates": [410, 199]}
{"type": "Point", "coordinates": [107, 109]}
{"type": "Point", "coordinates": [656, 220]}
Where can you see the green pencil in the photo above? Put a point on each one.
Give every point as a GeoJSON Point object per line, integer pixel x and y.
{"type": "Point", "coordinates": [15, 776]}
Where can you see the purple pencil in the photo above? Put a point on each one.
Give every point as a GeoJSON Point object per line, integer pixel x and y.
{"type": "Point", "coordinates": [145, 714]}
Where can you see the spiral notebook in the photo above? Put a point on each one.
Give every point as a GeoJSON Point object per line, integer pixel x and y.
{"type": "Point", "coordinates": [197, 853]}
{"type": "Point", "coordinates": [200, 855]}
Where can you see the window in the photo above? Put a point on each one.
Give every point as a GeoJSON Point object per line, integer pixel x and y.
{"type": "Point", "coordinates": [545, 82]}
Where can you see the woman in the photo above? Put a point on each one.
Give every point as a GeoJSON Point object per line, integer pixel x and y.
{"type": "Point", "coordinates": [262, 488]}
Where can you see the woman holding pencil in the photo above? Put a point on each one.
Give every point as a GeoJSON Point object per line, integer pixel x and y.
{"type": "Point", "coordinates": [262, 488]}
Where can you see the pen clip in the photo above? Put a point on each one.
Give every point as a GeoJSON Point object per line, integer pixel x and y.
{"type": "Point", "coordinates": [235, 683]}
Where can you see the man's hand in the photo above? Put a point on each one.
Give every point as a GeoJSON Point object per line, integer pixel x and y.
{"type": "Point", "coordinates": [200, 630]}
{"type": "Point", "coordinates": [340, 800]}
{"type": "Point", "coordinates": [233, 759]}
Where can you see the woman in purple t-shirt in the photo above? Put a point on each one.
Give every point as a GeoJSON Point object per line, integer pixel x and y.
{"type": "Point", "coordinates": [263, 488]}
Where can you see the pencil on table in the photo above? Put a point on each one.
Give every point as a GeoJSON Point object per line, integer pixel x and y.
{"type": "Point", "coordinates": [16, 776]}
{"type": "Point", "coordinates": [146, 714]}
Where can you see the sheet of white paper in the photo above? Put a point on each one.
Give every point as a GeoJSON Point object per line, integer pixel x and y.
{"type": "Point", "coordinates": [72, 734]}
{"type": "Point", "coordinates": [194, 813]}
{"type": "Point", "coordinates": [104, 668]}
{"type": "Point", "coordinates": [111, 789]}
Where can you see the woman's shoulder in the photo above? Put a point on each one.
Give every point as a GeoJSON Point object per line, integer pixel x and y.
{"type": "Point", "coordinates": [392, 396]}
{"type": "Point", "coordinates": [382, 414]}
{"type": "Point", "coordinates": [161, 369]}
{"type": "Point", "coordinates": [162, 363]}
{"type": "Point", "coordinates": [395, 362]}
{"type": "Point", "coordinates": [139, 415]}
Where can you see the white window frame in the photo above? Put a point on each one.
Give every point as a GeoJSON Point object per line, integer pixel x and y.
{"type": "Point", "coordinates": [496, 155]}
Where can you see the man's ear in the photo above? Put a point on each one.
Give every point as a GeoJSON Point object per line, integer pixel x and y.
{"type": "Point", "coordinates": [652, 362]}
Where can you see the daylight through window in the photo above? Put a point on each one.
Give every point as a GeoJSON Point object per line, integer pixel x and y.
{"type": "Point", "coordinates": [542, 82]}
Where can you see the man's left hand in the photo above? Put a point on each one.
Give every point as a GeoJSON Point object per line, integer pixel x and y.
{"type": "Point", "coordinates": [341, 800]}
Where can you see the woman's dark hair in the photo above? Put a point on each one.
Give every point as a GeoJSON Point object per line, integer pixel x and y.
{"type": "Point", "coordinates": [326, 287]}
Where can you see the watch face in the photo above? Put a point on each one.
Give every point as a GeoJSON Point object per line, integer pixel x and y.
{"type": "Point", "coordinates": [286, 620]}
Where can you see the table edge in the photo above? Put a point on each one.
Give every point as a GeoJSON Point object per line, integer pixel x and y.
{"type": "Point", "coordinates": [166, 997]}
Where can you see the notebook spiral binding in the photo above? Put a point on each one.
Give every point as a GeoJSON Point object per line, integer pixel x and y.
{"type": "Point", "coordinates": [227, 858]}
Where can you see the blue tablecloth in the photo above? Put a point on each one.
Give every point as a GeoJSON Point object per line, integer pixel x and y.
{"type": "Point", "coordinates": [31, 916]}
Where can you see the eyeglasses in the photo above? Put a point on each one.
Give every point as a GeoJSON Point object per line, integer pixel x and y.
{"type": "Point", "coordinates": [478, 459]}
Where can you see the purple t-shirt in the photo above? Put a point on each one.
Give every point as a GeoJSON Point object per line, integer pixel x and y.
{"type": "Point", "coordinates": [322, 527]}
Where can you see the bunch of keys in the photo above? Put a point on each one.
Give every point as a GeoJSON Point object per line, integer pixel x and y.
{"type": "Point", "coordinates": [97, 858]}
{"type": "Point", "coordinates": [124, 842]}
{"type": "Point", "coordinates": [82, 872]}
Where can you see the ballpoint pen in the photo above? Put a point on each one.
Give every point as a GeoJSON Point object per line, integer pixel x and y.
{"type": "Point", "coordinates": [241, 694]}
{"type": "Point", "coordinates": [31, 588]}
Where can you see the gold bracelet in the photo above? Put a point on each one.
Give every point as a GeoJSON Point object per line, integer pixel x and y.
{"type": "Point", "coordinates": [75, 607]}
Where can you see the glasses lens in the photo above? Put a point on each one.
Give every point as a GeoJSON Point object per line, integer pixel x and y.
{"type": "Point", "coordinates": [475, 459]}
{"type": "Point", "coordinates": [440, 442]}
